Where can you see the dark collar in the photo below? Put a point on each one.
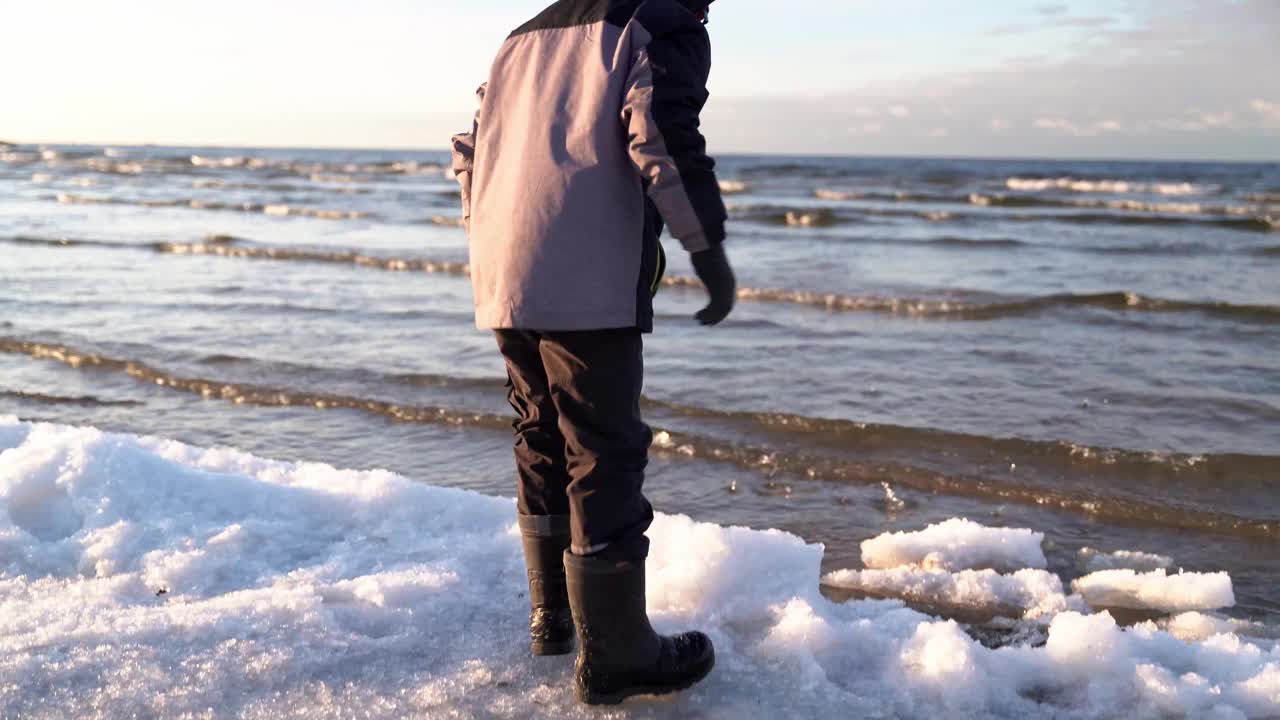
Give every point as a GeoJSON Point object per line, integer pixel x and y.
{"type": "Point", "coordinates": [695, 6]}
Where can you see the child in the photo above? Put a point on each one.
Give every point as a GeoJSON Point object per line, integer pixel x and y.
{"type": "Point", "coordinates": [586, 144]}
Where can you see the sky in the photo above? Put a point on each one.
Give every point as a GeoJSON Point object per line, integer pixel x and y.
{"type": "Point", "coordinates": [1166, 79]}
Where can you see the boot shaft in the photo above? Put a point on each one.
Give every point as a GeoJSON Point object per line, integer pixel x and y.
{"type": "Point", "coordinates": [545, 539]}
{"type": "Point", "coordinates": [619, 654]}
{"type": "Point", "coordinates": [608, 602]}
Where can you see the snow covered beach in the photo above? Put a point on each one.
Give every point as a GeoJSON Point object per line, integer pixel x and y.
{"type": "Point", "coordinates": [142, 577]}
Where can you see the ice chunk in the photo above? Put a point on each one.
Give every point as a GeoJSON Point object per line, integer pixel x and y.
{"type": "Point", "coordinates": [1198, 626]}
{"type": "Point", "coordinates": [1157, 590]}
{"type": "Point", "coordinates": [957, 544]}
{"type": "Point", "coordinates": [1092, 561]}
{"type": "Point", "coordinates": [1028, 592]}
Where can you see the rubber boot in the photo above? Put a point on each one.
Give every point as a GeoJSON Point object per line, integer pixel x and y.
{"type": "Point", "coordinates": [620, 654]}
{"type": "Point", "coordinates": [546, 537]}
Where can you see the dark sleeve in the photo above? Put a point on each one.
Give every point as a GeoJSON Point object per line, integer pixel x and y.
{"type": "Point", "coordinates": [666, 91]}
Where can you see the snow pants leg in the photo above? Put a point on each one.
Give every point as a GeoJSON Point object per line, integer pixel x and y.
{"type": "Point", "coordinates": [581, 446]}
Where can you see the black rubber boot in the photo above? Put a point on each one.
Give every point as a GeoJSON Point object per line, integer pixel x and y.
{"type": "Point", "coordinates": [546, 537]}
{"type": "Point", "coordinates": [620, 654]}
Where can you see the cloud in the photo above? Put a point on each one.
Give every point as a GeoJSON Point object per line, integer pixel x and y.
{"type": "Point", "coordinates": [1057, 23]}
{"type": "Point", "coordinates": [1270, 111]}
{"type": "Point", "coordinates": [1179, 79]}
{"type": "Point", "coordinates": [1052, 9]}
{"type": "Point", "coordinates": [1069, 127]}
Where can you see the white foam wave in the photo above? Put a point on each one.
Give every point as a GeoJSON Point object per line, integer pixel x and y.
{"type": "Point", "coordinates": [838, 195]}
{"type": "Point", "coordinates": [295, 211]}
{"type": "Point", "coordinates": [1115, 187]}
{"type": "Point", "coordinates": [73, 199]}
{"type": "Point", "coordinates": [140, 577]}
{"type": "Point", "coordinates": [810, 218]}
{"type": "Point", "coordinates": [733, 187]}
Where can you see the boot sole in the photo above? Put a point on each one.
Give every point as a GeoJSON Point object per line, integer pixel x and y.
{"type": "Point", "coordinates": [595, 698]}
{"type": "Point", "coordinates": [548, 649]}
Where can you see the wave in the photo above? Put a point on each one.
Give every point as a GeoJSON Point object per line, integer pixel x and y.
{"type": "Point", "coordinates": [217, 184]}
{"type": "Point", "coordinates": [232, 250]}
{"type": "Point", "coordinates": [83, 400]}
{"type": "Point", "coordinates": [1263, 224]}
{"type": "Point", "coordinates": [1157, 248]}
{"type": "Point", "coordinates": [947, 309]}
{"type": "Point", "coordinates": [808, 170]}
{"type": "Point", "coordinates": [115, 162]}
{"type": "Point", "coordinates": [822, 217]}
{"type": "Point", "coordinates": [1158, 208]}
{"type": "Point", "coordinates": [443, 221]}
{"type": "Point", "coordinates": [808, 461]}
{"type": "Point", "coordinates": [233, 247]}
{"type": "Point", "coordinates": [248, 394]}
{"type": "Point", "coordinates": [1073, 213]}
{"type": "Point", "coordinates": [274, 209]}
{"type": "Point", "coordinates": [1109, 186]}
{"type": "Point", "coordinates": [898, 196]}
{"type": "Point", "coordinates": [924, 308]}
{"type": "Point", "coordinates": [346, 170]}
{"type": "Point", "coordinates": [1241, 217]}
{"type": "Point", "coordinates": [954, 309]}
{"type": "Point", "coordinates": [1273, 251]}
{"type": "Point", "coordinates": [788, 217]}
{"type": "Point", "coordinates": [969, 242]}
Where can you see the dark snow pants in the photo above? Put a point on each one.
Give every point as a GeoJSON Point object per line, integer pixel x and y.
{"type": "Point", "coordinates": [581, 447]}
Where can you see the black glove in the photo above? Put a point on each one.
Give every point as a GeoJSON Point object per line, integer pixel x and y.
{"type": "Point", "coordinates": [712, 268]}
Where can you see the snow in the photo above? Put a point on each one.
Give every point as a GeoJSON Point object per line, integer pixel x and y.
{"type": "Point", "coordinates": [957, 544]}
{"type": "Point", "coordinates": [1156, 590]}
{"type": "Point", "coordinates": [140, 577]}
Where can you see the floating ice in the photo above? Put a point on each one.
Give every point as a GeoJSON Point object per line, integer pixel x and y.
{"type": "Point", "coordinates": [140, 577]}
{"type": "Point", "coordinates": [1092, 561]}
{"type": "Point", "coordinates": [1026, 593]}
{"type": "Point", "coordinates": [1156, 590]}
{"type": "Point", "coordinates": [1199, 626]}
{"type": "Point", "coordinates": [957, 544]}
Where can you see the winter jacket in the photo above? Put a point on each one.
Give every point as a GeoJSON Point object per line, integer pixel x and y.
{"type": "Point", "coordinates": [586, 142]}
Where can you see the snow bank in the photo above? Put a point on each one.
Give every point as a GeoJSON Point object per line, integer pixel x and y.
{"type": "Point", "coordinates": [1156, 590]}
{"type": "Point", "coordinates": [957, 544]}
{"type": "Point", "coordinates": [144, 578]}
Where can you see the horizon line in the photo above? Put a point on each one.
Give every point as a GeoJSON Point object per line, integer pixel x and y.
{"type": "Point", "coordinates": [753, 153]}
